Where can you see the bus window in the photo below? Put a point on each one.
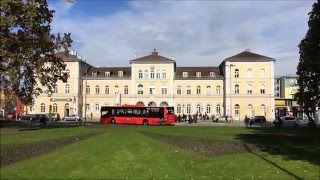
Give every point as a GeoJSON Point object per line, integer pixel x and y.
{"type": "Point", "coordinates": [105, 113]}
{"type": "Point", "coordinates": [128, 112]}
{"type": "Point", "coordinates": [120, 112]}
{"type": "Point", "coordinates": [170, 110]}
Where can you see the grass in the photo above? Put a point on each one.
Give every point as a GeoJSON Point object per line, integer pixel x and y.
{"type": "Point", "coordinates": [122, 152]}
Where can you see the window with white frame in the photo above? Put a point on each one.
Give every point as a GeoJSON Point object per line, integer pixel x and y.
{"type": "Point", "coordinates": [152, 74]}
{"type": "Point", "coordinates": [208, 90]}
{"type": "Point", "coordinates": [107, 74]}
{"type": "Point", "coordinates": [249, 73]}
{"type": "Point", "coordinates": [208, 109]}
{"type": "Point", "coordinates": [55, 108]}
{"type": "Point", "coordinates": [126, 89]}
{"type": "Point", "coordinates": [263, 110]}
{"type": "Point", "coordinates": [185, 74]}
{"type": "Point", "coordinates": [188, 89]}
{"type": "Point", "coordinates": [218, 109]}
{"type": "Point", "coordinates": [120, 73]}
{"type": "Point", "coordinates": [97, 89]}
{"type": "Point", "coordinates": [55, 89]}
{"type": "Point", "coordinates": [178, 108]}
{"type": "Point", "coordinates": [262, 72]}
{"type": "Point", "coordinates": [67, 89]}
{"type": "Point", "coordinates": [140, 89]}
{"type": "Point", "coordinates": [212, 74]}
{"type": "Point", "coordinates": [97, 107]}
{"type": "Point", "coordinates": [198, 74]}
{"type": "Point", "coordinates": [236, 73]}
{"type": "Point", "coordinates": [199, 108]}
{"type": "Point", "coordinates": [87, 89]}
{"type": "Point", "coordinates": [164, 89]}
{"type": "Point", "coordinates": [236, 89]}
{"type": "Point", "coordinates": [249, 110]}
{"type": "Point", "coordinates": [106, 89]}
{"type": "Point", "coordinates": [158, 74]}
{"type": "Point", "coordinates": [249, 89]}
{"type": "Point", "coordinates": [218, 90]}
{"type": "Point", "coordinates": [178, 89]}
{"type": "Point", "coordinates": [188, 108]}
{"type": "Point", "coordinates": [43, 107]}
{"type": "Point", "coordinates": [198, 90]}
{"type": "Point", "coordinates": [164, 74]}
{"type": "Point", "coordinates": [87, 107]}
{"type": "Point", "coordinates": [262, 89]}
{"type": "Point", "coordinates": [94, 74]}
{"type": "Point", "coordinates": [116, 89]}
{"type": "Point", "coordinates": [146, 74]}
{"type": "Point", "coordinates": [140, 74]}
{"type": "Point", "coordinates": [237, 109]}
{"type": "Point", "coordinates": [152, 89]}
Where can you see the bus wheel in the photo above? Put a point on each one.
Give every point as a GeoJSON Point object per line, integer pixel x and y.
{"type": "Point", "coordinates": [145, 122]}
{"type": "Point", "coordinates": [113, 121]}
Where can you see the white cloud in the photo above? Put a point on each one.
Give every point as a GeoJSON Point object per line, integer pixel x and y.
{"type": "Point", "coordinates": [196, 33]}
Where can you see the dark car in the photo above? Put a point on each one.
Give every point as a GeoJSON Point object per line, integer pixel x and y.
{"type": "Point", "coordinates": [259, 119]}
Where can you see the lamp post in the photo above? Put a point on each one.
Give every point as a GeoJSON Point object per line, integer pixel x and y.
{"type": "Point", "coordinates": [230, 66]}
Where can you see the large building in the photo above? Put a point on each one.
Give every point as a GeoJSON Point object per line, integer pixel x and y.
{"type": "Point", "coordinates": [241, 85]}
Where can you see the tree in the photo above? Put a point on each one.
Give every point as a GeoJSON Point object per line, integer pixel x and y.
{"type": "Point", "coordinates": [308, 70]}
{"type": "Point", "coordinates": [28, 49]}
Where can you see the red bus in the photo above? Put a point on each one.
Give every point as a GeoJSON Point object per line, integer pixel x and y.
{"type": "Point", "coordinates": [135, 114]}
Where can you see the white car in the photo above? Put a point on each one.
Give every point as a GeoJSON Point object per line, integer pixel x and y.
{"type": "Point", "coordinates": [72, 117]}
{"type": "Point", "coordinates": [292, 121]}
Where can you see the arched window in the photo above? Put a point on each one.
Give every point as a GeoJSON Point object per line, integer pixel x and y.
{"type": "Point", "coordinates": [164, 74]}
{"type": "Point", "coordinates": [116, 89]}
{"type": "Point", "coordinates": [140, 74]}
{"type": "Point", "coordinates": [140, 89]}
{"type": "Point", "coordinates": [97, 89]}
{"type": "Point", "coordinates": [140, 103]}
{"type": "Point", "coordinates": [178, 89]}
{"type": "Point", "coordinates": [249, 110]}
{"type": "Point", "coordinates": [198, 90]}
{"type": "Point", "coordinates": [208, 109]}
{"type": "Point", "coordinates": [262, 72]}
{"type": "Point", "coordinates": [262, 89]}
{"type": "Point", "coordinates": [237, 109]}
{"type": "Point", "coordinates": [152, 89]}
{"type": "Point", "coordinates": [208, 90]}
{"type": "Point", "coordinates": [263, 110]}
{"type": "Point", "coordinates": [55, 108]}
{"type": "Point", "coordinates": [43, 107]}
{"type": "Point", "coordinates": [152, 103]}
{"type": "Point", "coordinates": [218, 109]}
{"type": "Point", "coordinates": [249, 89]}
{"type": "Point", "coordinates": [106, 89]}
{"type": "Point", "coordinates": [87, 89]}
{"type": "Point", "coordinates": [188, 108]}
{"type": "Point", "coordinates": [188, 89]}
{"type": "Point", "coordinates": [236, 73]}
{"type": "Point", "coordinates": [158, 74]}
{"type": "Point", "coordinates": [179, 108]}
{"type": "Point", "coordinates": [97, 107]}
{"type": "Point", "coordinates": [55, 89]}
{"type": "Point", "coordinates": [164, 89]}
{"type": "Point", "coordinates": [164, 103]}
{"type": "Point", "coordinates": [199, 108]}
{"type": "Point", "coordinates": [67, 89]}
{"type": "Point", "coordinates": [249, 73]}
{"type": "Point", "coordinates": [218, 90]}
{"type": "Point", "coordinates": [126, 90]}
{"type": "Point", "coordinates": [152, 74]}
{"type": "Point", "coordinates": [146, 74]}
{"type": "Point", "coordinates": [236, 89]}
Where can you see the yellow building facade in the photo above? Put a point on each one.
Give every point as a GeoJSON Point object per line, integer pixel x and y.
{"type": "Point", "coordinates": [241, 85]}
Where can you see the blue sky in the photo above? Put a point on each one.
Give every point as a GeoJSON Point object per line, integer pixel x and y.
{"type": "Point", "coordinates": [108, 33]}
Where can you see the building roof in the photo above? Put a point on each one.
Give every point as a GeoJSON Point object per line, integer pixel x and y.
{"type": "Point", "coordinates": [113, 71]}
{"type": "Point", "coordinates": [152, 58]}
{"type": "Point", "coordinates": [248, 56]}
{"type": "Point", "coordinates": [205, 72]}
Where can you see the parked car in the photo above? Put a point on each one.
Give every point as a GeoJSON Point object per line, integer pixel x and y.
{"type": "Point", "coordinates": [259, 119]}
{"type": "Point", "coordinates": [30, 117]}
{"type": "Point", "coordinates": [72, 117]}
{"type": "Point", "coordinates": [53, 116]}
{"type": "Point", "coordinates": [290, 121]}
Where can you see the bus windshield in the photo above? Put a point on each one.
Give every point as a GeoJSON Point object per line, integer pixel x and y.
{"type": "Point", "coordinates": [170, 110]}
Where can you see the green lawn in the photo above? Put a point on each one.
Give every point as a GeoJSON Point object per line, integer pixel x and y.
{"type": "Point", "coordinates": [122, 152]}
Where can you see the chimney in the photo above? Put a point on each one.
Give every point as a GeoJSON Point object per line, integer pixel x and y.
{"type": "Point", "coordinates": [248, 50]}
{"type": "Point", "coordinates": [154, 52]}
{"type": "Point", "coordinates": [172, 57]}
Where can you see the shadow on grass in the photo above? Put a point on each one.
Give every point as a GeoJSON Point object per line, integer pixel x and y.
{"type": "Point", "coordinates": [291, 144]}
{"type": "Point", "coordinates": [39, 127]}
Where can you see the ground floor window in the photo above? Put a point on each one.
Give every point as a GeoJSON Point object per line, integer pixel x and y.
{"type": "Point", "coordinates": [55, 108]}
{"type": "Point", "coordinates": [43, 108]}
{"type": "Point", "coordinates": [218, 109]}
{"type": "Point", "coordinates": [188, 108]}
{"type": "Point", "coordinates": [208, 109]}
{"type": "Point", "coordinates": [178, 108]}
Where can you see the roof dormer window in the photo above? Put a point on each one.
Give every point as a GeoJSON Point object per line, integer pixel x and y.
{"type": "Point", "coordinates": [198, 74]}
{"type": "Point", "coordinates": [185, 74]}
{"type": "Point", "coordinates": [212, 74]}
{"type": "Point", "coordinates": [120, 73]}
{"type": "Point", "coordinates": [107, 74]}
{"type": "Point", "coordinates": [94, 74]}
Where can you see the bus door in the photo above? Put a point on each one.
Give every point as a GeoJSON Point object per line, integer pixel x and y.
{"type": "Point", "coordinates": [169, 115]}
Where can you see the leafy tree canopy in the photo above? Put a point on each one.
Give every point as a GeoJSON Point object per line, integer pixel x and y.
{"type": "Point", "coordinates": [309, 66]}
{"type": "Point", "coordinates": [28, 49]}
